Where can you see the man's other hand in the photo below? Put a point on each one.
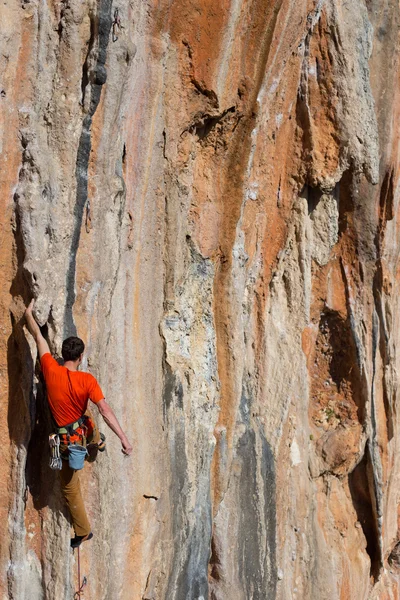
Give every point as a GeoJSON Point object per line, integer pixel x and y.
{"type": "Point", "coordinates": [126, 448]}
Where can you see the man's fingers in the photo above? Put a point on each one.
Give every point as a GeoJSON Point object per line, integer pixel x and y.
{"type": "Point", "coordinates": [31, 304]}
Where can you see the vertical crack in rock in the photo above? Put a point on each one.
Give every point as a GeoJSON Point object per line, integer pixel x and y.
{"type": "Point", "coordinates": [362, 486]}
{"type": "Point", "coordinates": [366, 480]}
{"type": "Point", "coordinates": [21, 400]}
{"type": "Point", "coordinates": [94, 78]}
{"type": "Point", "coordinates": [374, 453]}
{"type": "Point", "coordinates": [386, 213]}
{"type": "Point", "coordinates": [29, 425]}
{"type": "Point", "coordinates": [21, 393]}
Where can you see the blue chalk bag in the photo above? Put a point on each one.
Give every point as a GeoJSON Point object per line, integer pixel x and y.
{"type": "Point", "coordinates": [76, 456]}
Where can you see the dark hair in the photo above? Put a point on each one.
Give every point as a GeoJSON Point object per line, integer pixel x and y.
{"type": "Point", "coordinates": [72, 348]}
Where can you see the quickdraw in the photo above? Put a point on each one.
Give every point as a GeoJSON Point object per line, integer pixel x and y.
{"type": "Point", "coordinates": [55, 457]}
{"type": "Point", "coordinates": [116, 25]}
{"type": "Point", "coordinates": [88, 219]}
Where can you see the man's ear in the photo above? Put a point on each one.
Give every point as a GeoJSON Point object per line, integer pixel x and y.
{"type": "Point", "coordinates": [81, 358]}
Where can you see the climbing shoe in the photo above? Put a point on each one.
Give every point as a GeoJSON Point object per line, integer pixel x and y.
{"type": "Point", "coordinates": [102, 444]}
{"type": "Point", "coordinates": [78, 539]}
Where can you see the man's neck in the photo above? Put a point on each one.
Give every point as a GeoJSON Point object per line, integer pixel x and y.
{"type": "Point", "coordinates": [71, 365]}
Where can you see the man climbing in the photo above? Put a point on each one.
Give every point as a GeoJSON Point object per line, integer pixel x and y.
{"type": "Point", "coordinates": [68, 392]}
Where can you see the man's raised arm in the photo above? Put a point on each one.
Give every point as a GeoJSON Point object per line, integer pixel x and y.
{"type": "Point", "coordinates": [34, 330]}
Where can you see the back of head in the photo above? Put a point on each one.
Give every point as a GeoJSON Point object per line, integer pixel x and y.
{"type": "Point", "coordinates": [72, 348]}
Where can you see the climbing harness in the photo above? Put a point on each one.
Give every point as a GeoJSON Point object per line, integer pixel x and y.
{"type": "Point", "coordinates": [79, 593]}
{"type": "Point", "coordinates": [72, 429]}
{"type": "Point", "coordinates": [73, 440]}
{"type": "Point", "coordinates": [74, 443]}
{"type": "Point", "coordinates": [55, 458]}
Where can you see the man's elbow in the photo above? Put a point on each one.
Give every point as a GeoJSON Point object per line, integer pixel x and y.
{"type": "Point", "coordinates": [103, 407]}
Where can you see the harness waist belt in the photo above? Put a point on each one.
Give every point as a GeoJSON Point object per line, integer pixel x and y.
{"type": "Point", "coordinates": [71, 426]}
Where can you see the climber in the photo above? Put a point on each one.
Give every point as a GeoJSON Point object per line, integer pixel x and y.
{"type": "Point", "coordinates": [68, 392]}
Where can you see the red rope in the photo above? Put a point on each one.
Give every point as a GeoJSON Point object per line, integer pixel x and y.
{"type": "Point", "coordinates": [79, 568]}
{"type": "Point", "coordinates": [79, 593]}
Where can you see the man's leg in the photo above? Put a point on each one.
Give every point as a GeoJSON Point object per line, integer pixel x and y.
{"type": "Point", "coordinates": [72, 492]}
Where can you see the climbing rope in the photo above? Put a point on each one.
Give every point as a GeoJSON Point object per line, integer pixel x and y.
{"type": "Point", "coordinates": [78, 594]}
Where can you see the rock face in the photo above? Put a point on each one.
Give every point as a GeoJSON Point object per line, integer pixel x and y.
{"type": "Point", "coordinates": [207, 193]}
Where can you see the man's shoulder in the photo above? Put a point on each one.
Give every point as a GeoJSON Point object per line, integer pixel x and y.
{"type": "Point", "coordinates": [49, 360]}
{"type": "Point", "coordinates": [88, 377]}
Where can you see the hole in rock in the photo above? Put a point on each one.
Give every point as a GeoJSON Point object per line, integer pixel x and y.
{"type": "Point", "coordinates": [386, 200]}
{"type": "Point", "coordinates": [360, 484]}
{"type": "Point", "coordinates": [206, 123]}
{"type": "Point", "coordinates": [335, 374]}
{"type": "Point", "coordinates": [215, 563]}
{"type": "Point", "coordinates": [313, 196]}
{"type": "Point", "coordinates": [345, 200]}
{"type": "Point", "coordinates": [394, 557]}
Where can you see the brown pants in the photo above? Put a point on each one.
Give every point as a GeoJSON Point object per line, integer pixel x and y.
{"type": "Point", "coordinates": [71, 489]}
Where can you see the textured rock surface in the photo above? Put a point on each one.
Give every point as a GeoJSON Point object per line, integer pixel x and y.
{"type": "Point", "coordinates": [209, 197]}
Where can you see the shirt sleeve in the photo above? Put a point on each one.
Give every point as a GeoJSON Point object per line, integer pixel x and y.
{"type": "Point", "coordinates": [95, 392]}
{"type": "Point", "coordinates": [48, 363]}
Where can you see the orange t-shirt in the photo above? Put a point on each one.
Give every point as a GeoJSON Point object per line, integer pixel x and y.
{"type": "Point", "coordinates": [68, 392]}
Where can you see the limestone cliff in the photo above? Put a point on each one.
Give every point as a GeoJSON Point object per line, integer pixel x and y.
{"type": "Point", "coordinates": [208, 194]}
